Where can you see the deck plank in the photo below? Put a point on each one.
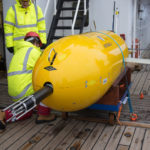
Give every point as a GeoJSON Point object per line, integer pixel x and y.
{"type": "Point", "coordinates": [140, 84]}
{"type": "Point", "coordinates": [5, 98]}
{"type": "Point", "coordinates": [103, 139]}
{"type": "Point", "coordinates": [133, 76]}
{"type": "Point", "coordinates": [137, 139]}
{"type": "Point", "coordinates": [22, 130]}
{"type": "Point", "coordinates": [135, 83]}
{"type": "Point", "coordinates": [52, 134]}
{"type": "Point", "coordinates": [114, 140]}
{"type": "Point", "coordinates": [61, 135]}
{"type": "Point", "coordinates": [31, 142]}
{"type": "Point", "coordinates": [72, 136]}
{"type": "Point", "coordinates": [146, 142]}
{"type": "Point", "coordinates": [123, 147]}
{"type": "Point", "coordinates": [127, 136]}
{"type": "Point", "coordinates": [77, 143]}
{"type": "Point", "coordinates": [33, 130]}
{"type": "Point", "coordinates": [146, 85]}
{"type": "Point", "coordinates": [15, 127]}
{"type": "Point", "coordinates": [90, 142]}
{"type": "Point", "coordinates": [8, 128]}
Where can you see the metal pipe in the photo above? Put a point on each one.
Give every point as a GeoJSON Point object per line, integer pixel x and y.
{"type": "Point", "coordinates": [23, 106]}
{"type": "Point", "coordinates": [43, 93]}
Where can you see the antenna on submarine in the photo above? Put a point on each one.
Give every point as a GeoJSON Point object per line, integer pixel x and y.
{"type": "Point", "coordinates": [113, 22]}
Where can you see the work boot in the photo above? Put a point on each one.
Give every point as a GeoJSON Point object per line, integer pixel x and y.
{"type": "Point", "coordinates": [45, 119]}
{"type": "Point", "coordinates": [2, 122]}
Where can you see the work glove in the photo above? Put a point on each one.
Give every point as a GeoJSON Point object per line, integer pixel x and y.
{"type": "Point", "coordinates": [10, 49]}
{"type": "Point", "coordinates": [43, 46]}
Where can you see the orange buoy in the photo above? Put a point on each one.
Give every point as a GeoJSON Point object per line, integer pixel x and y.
{"type": "Point", "coordinates": [133, 117]}
{"type": "Point", "coordinates": [141, 95]}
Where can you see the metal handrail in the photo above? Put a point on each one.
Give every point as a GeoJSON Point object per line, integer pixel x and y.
{"type": "Point", "coordinates": [85, 10]}
{"type": "Point", "coordinates": [55, 9]}
{"type": "Point", "coordinates": [75, 17]}
{"type": "Point", "coordinates": [76, 12]}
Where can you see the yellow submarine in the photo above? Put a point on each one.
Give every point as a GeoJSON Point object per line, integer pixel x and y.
{"type": "Point", "coordinates": [81, 69]}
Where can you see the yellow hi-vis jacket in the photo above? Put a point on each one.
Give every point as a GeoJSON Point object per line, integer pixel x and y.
{"type": "Point", "coordinates": [20, 70]}
{"type": "Point", "coordinates": [20, 21]}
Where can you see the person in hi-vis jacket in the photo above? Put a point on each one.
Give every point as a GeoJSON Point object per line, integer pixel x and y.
{"type": "Point", "coordinates": [22, 18]}
{"type": "Point", "coordinates": [19, 78]}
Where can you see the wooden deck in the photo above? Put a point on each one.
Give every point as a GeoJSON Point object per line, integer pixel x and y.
{"type": "Point", "coordinates": [74, 134]}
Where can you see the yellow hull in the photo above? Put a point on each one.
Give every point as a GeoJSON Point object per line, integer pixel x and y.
{"type": "Point", "coordinates": [86, 67]}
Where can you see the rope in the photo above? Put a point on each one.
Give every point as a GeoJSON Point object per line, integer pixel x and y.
{"type": "Point", "coordinates": [128, 92]}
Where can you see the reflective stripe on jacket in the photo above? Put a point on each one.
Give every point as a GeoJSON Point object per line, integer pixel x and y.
{"type": "Point", "coordinates": [20, 70]}
{"type": "Point", "coordinates": [20, 21]}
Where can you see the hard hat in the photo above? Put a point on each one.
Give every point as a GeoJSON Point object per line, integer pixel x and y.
{"type": "Point", "coordinates": [31, 36]}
